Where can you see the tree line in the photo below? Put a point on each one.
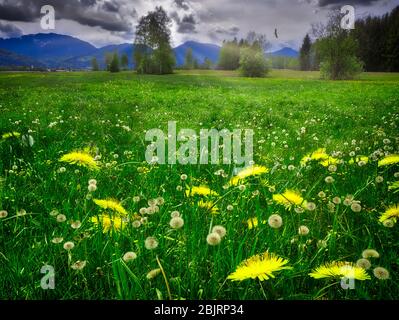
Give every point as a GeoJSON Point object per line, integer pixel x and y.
{"type": "Point", "coordinates": [373, 45]}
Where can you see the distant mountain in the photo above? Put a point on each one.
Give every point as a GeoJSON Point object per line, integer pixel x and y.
{"type": "Point", "coordinates": [286, 52]}
{"type": "Point", "coordinates": [84, 61]}
{"type": "Point", "coordinates": [61, 51]}
{"type": "Point", "coordinates": [48, 48]}
{"type": "Point", "coordinates": [12, 59]}
{"type": "Point", "coordinates": [200, 52]}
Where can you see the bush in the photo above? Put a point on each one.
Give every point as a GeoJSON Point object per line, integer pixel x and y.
{"type": "Point", "coordinates": [253, 63]}
{"type": "Point", "coordinates": [350, 67]}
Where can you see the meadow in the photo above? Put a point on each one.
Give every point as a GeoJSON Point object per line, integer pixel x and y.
{"type": "Point", "coordinates": [321, 197]}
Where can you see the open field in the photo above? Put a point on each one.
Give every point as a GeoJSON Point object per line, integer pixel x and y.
{"type": "Point", "coordinates": [340, 193]}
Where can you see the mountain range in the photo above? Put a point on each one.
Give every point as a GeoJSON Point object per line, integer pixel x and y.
{"type": "Point", "coordinates": [56, 51]}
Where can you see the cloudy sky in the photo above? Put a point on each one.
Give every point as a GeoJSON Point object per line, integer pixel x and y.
{"type": "Point", "coordinates": [103, 22]}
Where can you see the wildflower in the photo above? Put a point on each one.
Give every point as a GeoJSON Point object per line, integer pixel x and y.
{"type": "Point", "coordinates": [108, 222]}
{"type": "Point", "coordinates": [93, 181]}
{"type": "Point", "coordinates": [61, 218]}
{"type": "Point", "coordinates": [289, 198]}
{"type": "Point", "coordinates": [220, 230]}
{"type": "Point", "coordinates": [253, 223]}
{"type": "Point", "coordinates": [3, 214]}
{"type": "Point", "coordinates": [213, 239]}
{"type": "Point", "coordinates": [391, 213]}
{"type": "Point", "coordinates": [136, 224]}
{"type": "Point", "coordinates": [321, 194]}
{"type": "Point", "coordinates": [10, 135]}
{"type": "Point", "coordinates": [390, 159]}
{"type": "Point", "coordinates": [229, 208]}
{"type": "Point", "coordinates": [153, 273]}
{"type": "Point", "coordinates": [201, 190]}
{"type": "Point", "coordinates": [179, 188]}
{"type": "Point", "coordinates": [160, 201]}
{"type": "Point", "coordinates": [370, 253]}
{"type": "Point", "coordinates": [310, 206]}
{"type": "Point", "coordinates": [176, 223]}
{"type": "Point", "coordinates": [151, 243]}
{"type": "Point", "coordinates": [129, 256]}
{"type": "Point", "coordinates": [379, 179]}
{"type": "Point", "coordinates": [152, 202]}
{"type": "Point", "coordinates": [110, 204]}
{"type": "Point", "coordinates": [260, 267]}
{"type": "Point", "coordinates": [332, 168]}
{"type": "Point", "coordinates": [356, 207]}
{"type": "Point", "coordinates": [143, 211]}
{"type": "Point", "coordinates": [363, 263]}
{"type": "Point", "coordinates": [175, 214]}
{"type": "Point", "coordinates": [54, 213]}
{"type": "Point", "coordinates": [360, 160]}
{"type": "Point", "coordinates": [81, 158]}
{"type": "Point", "coordinates": [340, 270]}
{"type": "Point", "coordinates": [208, 205]}
{"type": "Point", "coordinates": [389, 223]}
{"type": "Point", "coordinates": [336, 200]}
{"type": "Point", "coordinates": [79, 265]}
{"type": "Point", "coordinates": [381, 273]}
{"type": "Point", "coordinates": [329, 179]}
{"type": "Point", "coordinates": [248, 172]}
{"type": "Point", "coordinates": [69, 245]}
{"type": "Point", "coordinates": [319, 154]}
{"type": "Point", "coordinates": [303, 230]}
{"type": "Point", "coordinates": [76, 224]}
{"type": "Point", "coordinates": [91, 187]}
{"type": "Point", "coordinates": [275, 221]}
{"type": "Point", "coordinates": [183, 177]}
{"type": "Point", "coordinates": [242, 187]}
{"type": "Point", "coordinates": [57, 240]}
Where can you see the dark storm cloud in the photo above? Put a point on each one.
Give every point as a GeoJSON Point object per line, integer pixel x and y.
{"type": "Point", "coordinates": [324, 3]}
{"type": "Point", "coordinates": [9, 30]}
{"type": "Point", "coordinates": [85, 12]}
{"type": "Point", "coordinates": [182, 4]}
{"type": "Point", "coordinates": [187, 24]}
{"type": "Point", "coordinates": [233, 31]}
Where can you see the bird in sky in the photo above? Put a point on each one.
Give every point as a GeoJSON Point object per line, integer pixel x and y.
{"type": "Point", "coordinates": [275, 33]}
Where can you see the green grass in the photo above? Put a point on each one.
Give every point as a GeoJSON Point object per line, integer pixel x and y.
{"type": "Point", "coordinates": [64, 112]}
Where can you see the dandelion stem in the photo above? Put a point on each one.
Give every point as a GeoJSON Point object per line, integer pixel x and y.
{"type": "Point", "coordinates": [166, 279]}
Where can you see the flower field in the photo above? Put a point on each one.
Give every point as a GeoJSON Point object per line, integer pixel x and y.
{"type": "Point", "coordinates": [316, 216]}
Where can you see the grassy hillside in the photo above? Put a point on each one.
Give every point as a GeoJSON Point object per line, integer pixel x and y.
{"type": "Point", "coordinates": [292, 114]}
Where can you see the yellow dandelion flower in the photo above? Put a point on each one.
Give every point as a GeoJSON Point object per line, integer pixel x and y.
{"type": "Point", "coordinates": [329, 161]}
{"type": "Point", "coordinates": [208, 205]}
{"type": "Point", "coordinates": [340, 270]}
{"type": "Point", "coordinates": [107, 222]}
{"type": "Point", "coordinates": [260, 266]}
{"type": "Point", "coordinates": [358, 159]}
{"type": "Point", "coordinates": [201, 191]}
{"type": "Point", "coordinates": [110, 204]}
{"type": "Point", "coordinates": [254, 222]}
{"type": "Point", "coordinates": [80, 158]}
{"type": "Point", "coordinates": [289, 198]}
{"type": "Point", "coordinates": [248, 172]}
{"type": "Point", "coordinates": [319, 154]}
{"type": "Point", "coordinates": [391, 212]}
{"type": "Point", "coordinates": [390, 159]}
{"type": "Point", "coordinates": [10, 134]}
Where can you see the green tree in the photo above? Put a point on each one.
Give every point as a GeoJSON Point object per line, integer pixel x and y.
{"type": "Point", "coordinates": [207, 64]}
{"type": "Point", "coordinates": [305, 54]}
{"type": "Point", "coordinates": [114, 67]}
{"type": "Point", "coordinates": [337, 49]}
{"type": "Point", "coordinates": [189, 59]}
{"type": "Point", "coordinates": [124, 61]}
{"type": "Point", "coordinates": [108, 60]}
{"type": "Point", "coordinates": [94, 64]}
{"type": "Point", "coordinates": [229, 57]}
{"type": "Point", "coordinates": [153, 52]}
{"type": "Point", "coordinates": [253, 63]}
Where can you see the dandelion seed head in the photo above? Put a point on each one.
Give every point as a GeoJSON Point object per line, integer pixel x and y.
{"type": "Point", "coordinates": [213, 239]}
{"type": "Point", "coordinates": [183, 177]}
{"type": "Point", "coordinates": [151, 243]}
{"type": "Point", "coordinates": [176, 223]}
{"type": "Point", "coordinates": [356, 207]}
{"type": "Point", "coordinates": [93, 181]}
{"type": "Point", "coordinates": [57, 240]}
{"type": "Point", "coordinates": [310, 206]}
{"type": "Point", "coordinates": [76, 224]}
{"type": "Point", "coordinates": [336, 200]}
{"type": "Point", "coordinates": [153, 273]}
{"type": "Point", "coordinates": [61, 218]}
{"type": "Point", "coordinates": [78, 265]}
{"type": "Point", "coordinates": [329, 179]}
{"type": "Point", "coordinates": [389, 223]}
{"type": "Point", "coordinates": [220, 230]}
{"type": "Point", "coordinates": [3, 214]}
{"type": "Point", "coordinates": [379, 179]}
{"type": "Point", "coordinates": [363, 263]}
{"type": "Point", "coordinates": [92, 187]}
{"type": "Point", "coordinates": [381, 273]}
{"type": "Point", "coordinates": [275, 221]}
{"type": "Point", "coordinates": [69, 245]}
{"type": "Point", "coordinates": [303, 230]}
{"type": "Point", "coordinates": [370, 253]}
{"type": "Point", "coordinates": [175, 214]}
{"type": "Point", "coordinates": [136, 199]}
{"type": "Point", "coordinates": [129, 256]}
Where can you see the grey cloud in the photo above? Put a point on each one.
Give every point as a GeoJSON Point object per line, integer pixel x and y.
{"type": "Point", "coordinates": [182, 4]}
{"type": "Point", "coordinates": [187, 24]}
{"type": "Point", "coordinates": [9, 30]}
{"type": "Point", "coordinates": [324, 3]}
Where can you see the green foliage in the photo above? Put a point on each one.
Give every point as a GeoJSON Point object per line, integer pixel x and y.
{"type": "Point", "coordinates": [337, 50]}
{"type": "Point", "coordinates": [114, 66]}
{"type": "Point", "coordinates": [189, 59]}
{"type": "Point", "coordinates": [153, 52]}
{"type": "Point", "coordinates": [253, 63]}
{"type": "Point", "coordinates": [280, 62]}
{"type": "Point", "coordinates": [94, 64]}
{"type": "Point", "coordinates": [305, 54]}
{"type": "Point", "coordinates": [292, 113]}
{"type": "Point", "coordinates": [124, 61]}
{"type": "Point", "coordinates": [229, 57]}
